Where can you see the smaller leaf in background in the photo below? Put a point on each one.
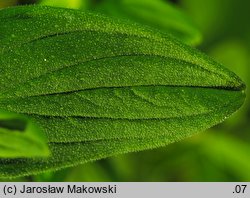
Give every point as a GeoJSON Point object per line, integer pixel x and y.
{"type": "Point", "coordinates": [20, 137]}
{"type": "Point", "coordinates": [74, 4]}
{"type": "Point", "coordinates": [155, 13]}
{"type": "Point", "coordinates": [230, 154]}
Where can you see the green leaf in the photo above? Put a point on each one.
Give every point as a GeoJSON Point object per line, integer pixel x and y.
{"type": "Point", "coordinates": [157, 13]}
{"type": "Point", "coordinates": [74, 4]}
{"type": "Point", "coordinates": [20, 137]}
{"type": "Point", "coordinates": [232, 153]}
{"type": "Point", "coordinates": [100, 87]}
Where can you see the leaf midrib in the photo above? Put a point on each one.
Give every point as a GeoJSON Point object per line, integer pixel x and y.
{"type": "Point", "coordinates": [239, 88]}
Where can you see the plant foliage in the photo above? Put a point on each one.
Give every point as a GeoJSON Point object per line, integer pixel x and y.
{"type": "Point", "coordinates": [100, 87]}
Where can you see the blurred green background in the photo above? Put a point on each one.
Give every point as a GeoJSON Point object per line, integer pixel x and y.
{"type": "Point", "coordinates": [219, 154]}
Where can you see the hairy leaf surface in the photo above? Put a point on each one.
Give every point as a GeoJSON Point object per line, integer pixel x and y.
{"type": "Point", "coordinates": [100, 87]}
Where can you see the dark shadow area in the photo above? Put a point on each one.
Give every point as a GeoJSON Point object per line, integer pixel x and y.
{"type": "Point", "coordinates": [13, 124]}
